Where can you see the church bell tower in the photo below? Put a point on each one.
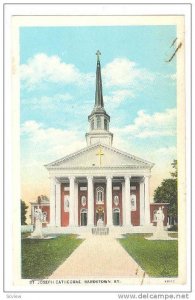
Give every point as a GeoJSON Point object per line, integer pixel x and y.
{"type": "Point", "coordinates": [98, 119]}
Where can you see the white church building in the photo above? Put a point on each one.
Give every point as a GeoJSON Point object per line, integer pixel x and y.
{"type": "Point", "coordinates": [99, 182]}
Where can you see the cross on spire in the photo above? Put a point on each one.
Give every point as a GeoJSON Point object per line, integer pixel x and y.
{"type": "Point", "coordinates": [98, 53]}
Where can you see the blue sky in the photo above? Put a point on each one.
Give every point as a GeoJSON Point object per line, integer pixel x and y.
{"type": "Point", "coordinates": [58, 67]}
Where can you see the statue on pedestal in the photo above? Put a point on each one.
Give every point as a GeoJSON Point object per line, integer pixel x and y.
{"type": "Point", "coordinates": [160, 233]}
{"type": "Point", "coordinates": [39, 218]}
{"type": "Point", "coordinates": [160, 219]}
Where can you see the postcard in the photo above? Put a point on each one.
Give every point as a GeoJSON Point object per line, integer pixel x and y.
{"type": "Point", "coordinates": [98, 116]}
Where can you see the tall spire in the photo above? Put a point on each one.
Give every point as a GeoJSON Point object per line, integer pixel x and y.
{"type": "Point", "coordinates": [98, 119]}
{"type": "Point", "coordinates": [98, 92]}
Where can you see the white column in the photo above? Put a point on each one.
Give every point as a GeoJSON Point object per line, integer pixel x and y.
{"type": "Point", "coordinates": [72, 202]}
{"type": "Point", "coordinates": [58, 203]}
{"type": "Point", "coordinates": [123, 203]}
{"type": "Point", "coordinates": [109, 200]}
{"type": "Point", "coordinates": [142, 206]}
{"type": "Point", "coordinates": [90, 216]}
{"type": "Point", "coordinates": [147, 200]}
{"type": "Point", "coordinates": [76, 203]}
{"type": "Point", "coordinates": [127, 200]}
{"type": "Point", "coordinates": [52, 201]}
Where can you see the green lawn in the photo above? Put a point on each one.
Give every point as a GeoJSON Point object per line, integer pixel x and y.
{"type": "Point", "coordinates": [41, 257]}
{"type": "Point", "coordinates": [157, 258]}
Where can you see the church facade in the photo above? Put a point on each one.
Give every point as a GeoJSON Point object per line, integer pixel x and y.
{"type": "Point", "coordinates": [99, 182]}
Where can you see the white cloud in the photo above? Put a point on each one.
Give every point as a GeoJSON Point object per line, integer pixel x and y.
{"type": "Point", "coordinates": [40, 146]}
{"type": "Point", "coordinates": [171, 76]}
{"type": "Point", "coordinates": [47, 102]}
{"type": "Point", "coordinates": [163, 156]}
{"type": "Point", "coordinates": [30, 127]}
{"type": "Point", "coordinates": [167, 151]}
{"type": "Point", "coordinates": [43, 144]}
{"type": "Point", "coordinates": [118, 96]}
{"type": "Point", "coordinates": [155, 125]}
{"type": "Point", "coordinates": [51, 69]}
{"type": "Point", "coordinates": [123, 72]}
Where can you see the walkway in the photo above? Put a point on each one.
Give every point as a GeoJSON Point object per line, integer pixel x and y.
{"type": "Point", "coordinates": [99, 256]}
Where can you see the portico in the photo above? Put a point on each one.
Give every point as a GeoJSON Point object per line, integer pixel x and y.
{"type": "Point", "coordinates": [82, 200]}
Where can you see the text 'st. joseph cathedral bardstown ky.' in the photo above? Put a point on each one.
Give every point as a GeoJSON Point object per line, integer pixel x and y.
{"type": "Point", "coordinates": [99, 182]}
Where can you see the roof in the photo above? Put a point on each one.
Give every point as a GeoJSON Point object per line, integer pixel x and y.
{"type": "Point", "coordinates": [88, 158]}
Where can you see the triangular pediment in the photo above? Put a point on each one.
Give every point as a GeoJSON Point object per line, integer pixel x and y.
{"type": "Point", "coordinates": [88, 157]}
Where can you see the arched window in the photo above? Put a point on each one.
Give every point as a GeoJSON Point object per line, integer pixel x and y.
{"type": "Point", "coordinates": [98, 122]}
{"type": "Point", "coordinates": [99, 195]}
{"type": "Point", "coordinates": [116, 216]}
{"type": "Point", "coordinates": [105, 124]}
{"type": "Point", "coordinates": [92, 124]}
{"type": "Point", "coordinates": [83, 218]}
{"type": "Point", "coordinates": [100, 215]}
{"type": "Point", "coordinates": [44, 216]}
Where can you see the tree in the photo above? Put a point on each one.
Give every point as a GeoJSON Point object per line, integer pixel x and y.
{"type": "Point", "coordinates": [174, 165]}
{"type": "Point", "coordinates": [24, 208]}
{"type": "Point", "coordinates": [167, 192]}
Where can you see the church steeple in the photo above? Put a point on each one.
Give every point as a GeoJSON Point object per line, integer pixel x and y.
{"type": "Point", "coordinates": [98, 119]}
{"type": "Point", "coordinates": [98, 92]}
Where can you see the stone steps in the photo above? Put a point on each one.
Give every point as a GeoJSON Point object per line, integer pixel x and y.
{"type": "Point", "coordinates": [98, 230]}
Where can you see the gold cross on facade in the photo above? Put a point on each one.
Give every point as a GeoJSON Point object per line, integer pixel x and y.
{"type": "Point", "coordinates": [100, 154]}
{"type": "Point", "coordinates": [98, 53]}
